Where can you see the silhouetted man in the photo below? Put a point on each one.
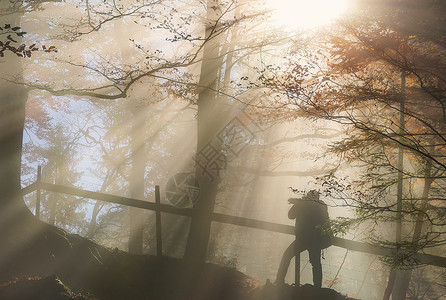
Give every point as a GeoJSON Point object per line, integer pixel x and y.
{"type": "Point", "coordinates": [311, 214]}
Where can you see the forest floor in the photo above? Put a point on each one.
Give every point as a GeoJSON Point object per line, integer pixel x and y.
{"type": "Point", "coordinates": [122, 276]}
{"type": "Point", "coordinates": [54, 265]}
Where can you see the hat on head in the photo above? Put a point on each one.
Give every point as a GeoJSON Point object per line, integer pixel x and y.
{"type": "Point", "coordinates": [313, 195]}
{"type": "Point", "coordinates": [294, 200]}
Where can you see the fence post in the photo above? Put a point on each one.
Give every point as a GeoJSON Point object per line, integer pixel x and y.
{"type": "Point", "coordinates": [296, 260]}
{"type": "Point", "coordinates": [159, 245]}
{"type": "Point", "coordinates": [297, 268]}
{"type": "Point", "coordinates": [39, 177]}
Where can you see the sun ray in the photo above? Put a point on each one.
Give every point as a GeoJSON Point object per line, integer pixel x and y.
{"type": "Point", "coordinates": [303, 14]}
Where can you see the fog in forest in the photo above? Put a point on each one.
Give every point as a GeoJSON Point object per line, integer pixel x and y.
{"type": "Point", "coordinates": [217, 112]}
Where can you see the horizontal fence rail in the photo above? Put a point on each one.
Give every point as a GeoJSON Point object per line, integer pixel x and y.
{"type": "Point", "coordinates": [158, 207]}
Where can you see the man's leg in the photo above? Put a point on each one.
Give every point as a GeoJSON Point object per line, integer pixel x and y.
{"type": "Point", "coordinates": [315, 260]}
{"type": "Point", "coordinates": [289, 253]}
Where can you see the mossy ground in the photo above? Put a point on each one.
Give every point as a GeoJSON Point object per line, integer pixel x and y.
{"type": "Point", "coordinates": [123, 276]}
{"type": "Point", "coordinates": [54, 265]}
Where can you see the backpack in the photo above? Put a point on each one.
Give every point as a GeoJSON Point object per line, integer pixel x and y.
{"type": "Point", "coordinates": [311, 216]}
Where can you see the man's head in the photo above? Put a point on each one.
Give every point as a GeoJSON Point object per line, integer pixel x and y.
{"type": "Point", "coordinates": [312, 195]}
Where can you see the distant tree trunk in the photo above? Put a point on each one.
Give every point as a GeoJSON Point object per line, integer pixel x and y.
{"type": "Point", "coordinates": [137, 145]}
{"type": "Point", "coordinates": [208, 123]}
{"type": "Point", "coordinates": [394, 274]}
{"type": "Point", "coordinates": [402, 283]}
{"type": "Point", "coordinates": [92, 226]}
{"type": "Point", "coordinates": [54, 197]}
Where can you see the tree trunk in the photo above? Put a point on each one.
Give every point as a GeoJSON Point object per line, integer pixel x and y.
{"type": "Point", "coordinates": [12, 119]}
{"type": "Point", "coordinates": [28, 246]}
{"type": "Point", "coordinates": [18, 226]}
{"type": "Point", "coordinates": [208, 123]}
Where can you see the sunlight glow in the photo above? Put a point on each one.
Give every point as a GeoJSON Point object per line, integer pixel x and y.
{"type": "Point", "coordinates": [306, 14]}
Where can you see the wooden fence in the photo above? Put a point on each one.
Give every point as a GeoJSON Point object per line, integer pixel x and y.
{"type": "Point", "coordinates": [159, 208]}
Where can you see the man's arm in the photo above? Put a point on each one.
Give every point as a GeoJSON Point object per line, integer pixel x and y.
{"type": "Point", "coordinates": [292, 213]}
